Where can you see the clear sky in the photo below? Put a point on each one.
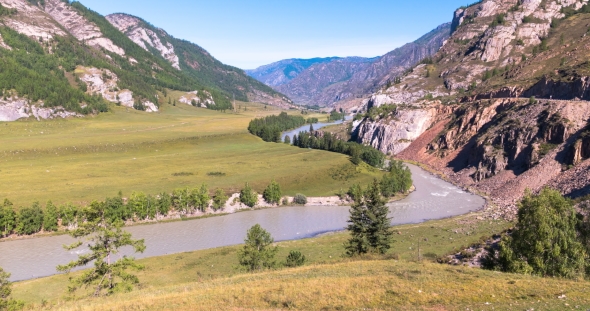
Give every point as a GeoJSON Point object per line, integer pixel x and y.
{"type": "Point", "coordinates": [251, 33]}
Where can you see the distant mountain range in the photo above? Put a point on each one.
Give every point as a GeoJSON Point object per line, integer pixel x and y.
{"type": "Point", "coordinates": [325, 81]}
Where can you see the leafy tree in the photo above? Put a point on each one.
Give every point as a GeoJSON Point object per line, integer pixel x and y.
{"type": "Point", "coordinates": [258, 252]}
{"type": "Point", "coordinates": [7, 218]}
{"type": "Point", "coordinates": [295, 259]}
{"type": "Point", "coordinates": [368, 224]}
{"type": "Point", "coordinates": [544, 241]}
{"type": "Point", "coordinates": [287, 140]}
{"type": "Point", "coordinates": [201, 198]}
{"type": "Point", "coordinates": [355, 192]}
{"type": "Point", "coordinates": [272, 194]}
{"type": "Point", "coordinates": [248, 197]}
{"type": "Point", "coordinates": [104, 240]}
{"type": "Point", "coordinates": [164, 203]}
{"type": "Point", "coordinates": [219, 199]}
{"type": "Point", "coordinates": [50, 217]}
{"type": "Point", "coordinates": [398, 180]}
{"type": "Point", "coordinates": [30, 220]}
{"type": "Point", "coordinates": [7, 303]}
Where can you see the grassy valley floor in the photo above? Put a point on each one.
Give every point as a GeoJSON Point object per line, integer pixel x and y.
{"type": "Point", "coordinates": [80, 160]}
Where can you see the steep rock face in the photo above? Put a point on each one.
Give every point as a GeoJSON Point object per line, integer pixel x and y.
{"type": "Point", "coordinates": [13, 109]}
{"type": "Point", "coordinates": [79, 27]}
{"type": "Point", "coordinates": [31, 21]}
{"type": "Point", "coordinates": [393, 134]}
{"type": "Point", "coordinates": [133, 28]}
{"type": "Point", "coordinates": [104, 83]}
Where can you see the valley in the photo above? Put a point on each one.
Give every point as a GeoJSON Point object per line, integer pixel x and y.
{"type": "Point", "coordinates": [452, 173]}
{"type": "Point", "coordinates": [130, 151]}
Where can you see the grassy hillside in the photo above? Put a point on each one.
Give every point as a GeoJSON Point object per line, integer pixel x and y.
{"type": "Point", "coordinates": [208, 280]}
{"type": "Point", "coordinates": [90, 158]}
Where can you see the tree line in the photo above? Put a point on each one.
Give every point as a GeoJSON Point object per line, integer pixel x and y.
{"type": "Point", "coordinates": [138, 207]}
{"type": "Point", "coordinates": [329, 142]}
{"type": "Point", "coordinates": [270, 128]}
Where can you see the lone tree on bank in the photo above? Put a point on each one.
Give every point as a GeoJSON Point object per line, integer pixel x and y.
{"type": "Point", "coordinates": [272, 194]}
{"type": "Point", "coordinates": [258, 252]}
{"type": "Point", "coordinates": [545, 241]}
{"type": "Point", "coordinates": [369, 226]}
{"type": "Point", "coordinates": [248, 197]}
{"type": "Point", "coordinates": [104, 240]}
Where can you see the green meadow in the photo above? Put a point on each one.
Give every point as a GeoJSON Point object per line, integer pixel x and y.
{"type": "Point", "coordinates": [83, 159]}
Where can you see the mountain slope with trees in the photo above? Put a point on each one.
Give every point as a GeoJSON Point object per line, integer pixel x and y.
{"type": "Point", "coordinates": [44, 45]}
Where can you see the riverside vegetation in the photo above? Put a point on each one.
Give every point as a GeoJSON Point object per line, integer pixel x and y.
{"type": "Point", "coordinates": [409, 282]}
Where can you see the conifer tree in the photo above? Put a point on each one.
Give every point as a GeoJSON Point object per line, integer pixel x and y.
{"type": "Point", "coordinates": [258, 252]}
{"type": "Point", "coordinates": [104, 239]}
{"type": "Point", "coordinates": [369, 225]}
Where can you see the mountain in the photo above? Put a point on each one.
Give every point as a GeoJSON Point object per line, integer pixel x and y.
{"type": "Point", "coordinates": [282, 72]}
{"type": "Point", "coordinates": [57, 57]}
{"type": "Point", "coordinates": [195, 61]}
{"type": "Point", "coordinates": [503, 105]}
{"type": "Point", "coordinates": [327, 81]}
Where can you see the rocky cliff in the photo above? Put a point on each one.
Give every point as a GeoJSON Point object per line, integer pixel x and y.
{"type": "Point", "coordinates": [502, 106]}
{"type": "Point", "coordinates": [326, 82]}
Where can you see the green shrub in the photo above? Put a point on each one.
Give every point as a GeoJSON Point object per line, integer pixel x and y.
{"type": "Point", "coordinates": [295, 259]}
{"type": "Point", "coordinates": [300, 199]}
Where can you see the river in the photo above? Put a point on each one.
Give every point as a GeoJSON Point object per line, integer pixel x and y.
{"type": "Point", "coordinates": [305, 128]}
{"type": "Point", "coordinates": [433, 199]}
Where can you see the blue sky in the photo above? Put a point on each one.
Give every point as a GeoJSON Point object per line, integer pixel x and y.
{"type": "Point", "coordinates": [248, 34]}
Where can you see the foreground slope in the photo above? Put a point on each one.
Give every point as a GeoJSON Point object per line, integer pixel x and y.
{"type": "Point", "coordinates": [470, 113]}
{"type": "Point", "coordinates": [208, 280]}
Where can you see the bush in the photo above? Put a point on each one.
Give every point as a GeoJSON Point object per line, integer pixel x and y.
{"type": "Point", "coordinates": [295, 259]}
{"type": "Point", "coordinates": [545, 241]}
{"type": "Point", "coordinates": [300, 199]}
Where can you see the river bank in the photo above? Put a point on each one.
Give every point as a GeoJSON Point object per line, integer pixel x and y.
{"type": "Point", "coordinates": [433, 199]}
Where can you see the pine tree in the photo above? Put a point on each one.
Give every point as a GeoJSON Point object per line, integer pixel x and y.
{"type": "Point", "coordinates": [7, 303]}
{"type": "Point", "coordinates": [104, 239]}
{"type": "Point", "coordinates": [368, 224]}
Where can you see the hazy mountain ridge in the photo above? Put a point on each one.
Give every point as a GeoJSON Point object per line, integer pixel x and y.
{"type": "Point", "coordinates": [327, 81]}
